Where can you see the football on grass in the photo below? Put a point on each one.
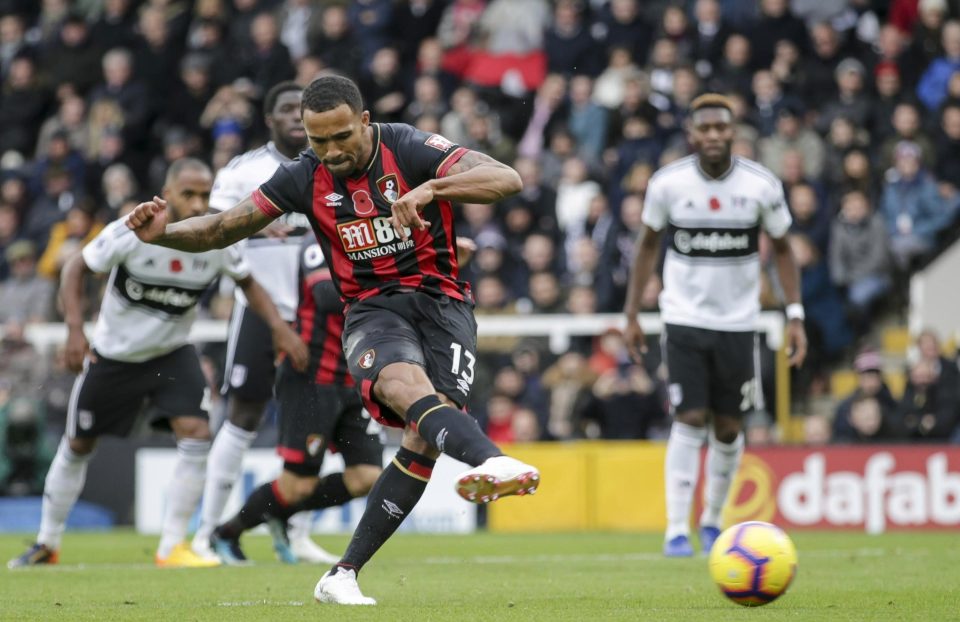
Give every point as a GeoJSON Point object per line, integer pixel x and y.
{"type": "Point", "coordinates": [753, 563]}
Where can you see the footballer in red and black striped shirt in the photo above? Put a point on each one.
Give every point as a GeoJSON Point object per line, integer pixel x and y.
{"type": "Point", "coordinates": [352, 214]}
{"type": "Point", "coordinates": [380, 199]}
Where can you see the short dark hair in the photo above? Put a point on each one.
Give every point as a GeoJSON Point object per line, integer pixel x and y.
{"type": "Point", "coordinates": [184, 164]}
{"type": "Point", "coordinates": [328, 92]}
{"type": "Point", "coordinates": [276, 91]}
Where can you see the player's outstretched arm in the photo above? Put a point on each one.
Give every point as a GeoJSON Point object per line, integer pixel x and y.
{"type": "Point", "coordinates": [195, 235]}
{"type": "Point", "coordinates": [284, 338]}
{"type": "Point", "coordinates": [474, 178]}
{"type": "Point", "coordinates": [644, 262]}
{"type": "Point", "coordinates": [72, 279]}
{"type": "Point", "coordinates": [790, 281]}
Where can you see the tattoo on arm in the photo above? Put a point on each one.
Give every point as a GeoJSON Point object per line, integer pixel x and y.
{"type": "Point", "coordinates": [217, 230]}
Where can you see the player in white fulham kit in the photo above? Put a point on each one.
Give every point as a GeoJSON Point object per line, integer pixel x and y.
{"type": "Point", "coordinates": [709, 208]}
{"type": "Point", "coordinates": [274, 259]}
{"type": "Point", "coordinates": [140, 357]}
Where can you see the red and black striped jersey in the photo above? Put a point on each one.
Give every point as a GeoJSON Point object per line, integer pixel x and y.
{"type": "Point", "coordinates": [350, 215]}
{"type": "Point", "coordinates": [320, 319]}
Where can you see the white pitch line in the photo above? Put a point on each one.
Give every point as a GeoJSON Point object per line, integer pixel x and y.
{"type": "Point", "coordinates": [257, 603]}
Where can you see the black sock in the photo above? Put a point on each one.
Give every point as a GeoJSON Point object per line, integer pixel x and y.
{"type": "Point", "coordinates": [393, 497]}
{"type": "Point", "coordinates": [448, 430]}
{"type": "Point", "coordinates": [329, 491]}
{"type": "Point", "coordinates": [262, 503]}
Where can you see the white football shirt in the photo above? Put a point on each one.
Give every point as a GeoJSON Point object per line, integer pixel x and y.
{"type": "Point", "coordinates": [711, 274]}
{"type": "Point", "coordinates": [274, 262]}
{"type": "Point", "coordinates": [151, 295]}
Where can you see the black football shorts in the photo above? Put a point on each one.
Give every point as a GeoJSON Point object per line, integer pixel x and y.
{"type": "Point", "coordinates": [711, 369]}
{"type": "Point", "coordinates": [314, 416]}
{"type": "Point", "coordinates": [109, 395]}
{"type": "Point", "coordinates": [435, 332]}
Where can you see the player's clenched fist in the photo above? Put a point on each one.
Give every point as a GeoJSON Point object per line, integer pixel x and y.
{"type": "Point", "coordinates": [406, 210]}
{"type": "Point", "coordinates": [149, 220]}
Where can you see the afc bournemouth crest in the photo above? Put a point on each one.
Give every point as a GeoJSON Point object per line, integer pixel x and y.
{"type": "Point", "coordinates": [366, 359]}
{"type": "Point", "coordinates": [389, 187]}
{"type": "Point", "coordinates": [314, 444]}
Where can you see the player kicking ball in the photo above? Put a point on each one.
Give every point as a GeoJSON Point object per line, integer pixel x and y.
{"type": "Point", "coordinates": [380, 200]}
{"type": "Point", "coordinates": [709, 209]}
{"type": "Point", "coordinates": [140, 358]}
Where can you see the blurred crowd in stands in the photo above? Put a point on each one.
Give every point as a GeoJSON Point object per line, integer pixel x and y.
{"type": "Point", "coordinates": [855, 104]}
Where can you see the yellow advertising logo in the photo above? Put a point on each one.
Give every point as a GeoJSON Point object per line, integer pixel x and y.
{"type": "Point", "coordinates": [752, 494]}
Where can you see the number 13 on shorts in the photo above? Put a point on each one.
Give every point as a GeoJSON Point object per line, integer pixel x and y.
{"type": "Point", "coordinates": [465, 375]}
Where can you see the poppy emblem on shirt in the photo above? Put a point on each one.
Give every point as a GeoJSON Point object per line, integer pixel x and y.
{"type": "Point", "coordinates": [389, 187]}
{"type": "Point", "coordinates": [714, 204]}
{"type": "Point", "coordinates": [363, 204]}
{"type": "Point", "coordinates": [176, 265]}
{"type": "Point", "coordinates": [367, 359]}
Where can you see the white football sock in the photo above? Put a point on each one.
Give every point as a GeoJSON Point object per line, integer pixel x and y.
{"type": "Point", "coordinates": [723, 459]}
{"type": "Point", "coordinates": [681, 469]}
{"type": "Point", "coordinates": [183, 494]}
{"type": "Point", "coordinates": [225, 466]}
{"type": "Point", "coordinates": [299, 525]}
{"type": "Point", "coordinates": [65, 480]}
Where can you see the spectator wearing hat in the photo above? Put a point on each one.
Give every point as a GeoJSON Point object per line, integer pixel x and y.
{"type": "Point", "coordinates": [892, 48]}
{"type": "Point", "coordinates": [888, 80]}
{"type": "Point", "coordinates": [791, 134]}
{"type": "Point", "coordinates": [851, 100]}
{"type": "Point", "coordinates": [870, 384]}
{"type": "Point", "coordinates": [932, 89]}
{"type": "Point", "coordinates": [859, 258]}
{"type": "Point", "coordinates": [25, 296]}
{"type": "Point", "coordinates": [912, 207]}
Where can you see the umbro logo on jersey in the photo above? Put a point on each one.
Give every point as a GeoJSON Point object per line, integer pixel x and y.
{"type": "Point", "coordinates": [333, 199]}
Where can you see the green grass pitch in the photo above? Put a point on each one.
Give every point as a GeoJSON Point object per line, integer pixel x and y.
{"type": "Point", "coordinates": [575, 577]}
